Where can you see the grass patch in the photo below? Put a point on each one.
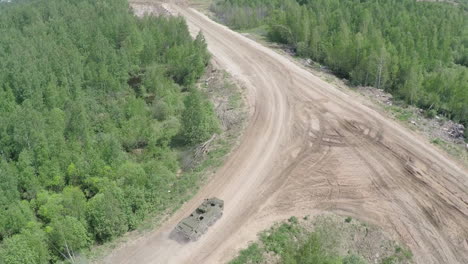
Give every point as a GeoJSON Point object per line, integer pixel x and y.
{"type": "Point", "coordinates": [399, 256]}
{"type": "Point", "coordinates": [353, 259]}
{"type": "Point", "coordinates": [452, 149]}
{"type": "Point", "coordinates": [330, 241]}
{"type": "Point", "coordinates": [437, 141]}
{"type": "Point", "coordinates": [400, 113]}
{"type": "Point", "coordinates": [292, 244]}
{"type": "Point", "coordinates": [253, 254]}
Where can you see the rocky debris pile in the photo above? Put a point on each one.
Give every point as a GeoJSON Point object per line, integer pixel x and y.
{"type": "Point", "coordinates": [457, 131]}
{"type": "Point", "coordinates": [454, 130]}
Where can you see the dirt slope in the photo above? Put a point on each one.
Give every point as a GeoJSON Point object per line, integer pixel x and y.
{"type": "Point", "coordinates": [311, 148]}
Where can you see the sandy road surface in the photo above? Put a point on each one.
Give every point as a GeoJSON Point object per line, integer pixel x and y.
{"type": "Point", "coordinates": [310, 148]}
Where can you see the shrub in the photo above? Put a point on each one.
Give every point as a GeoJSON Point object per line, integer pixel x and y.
{"type": "Point", "coordinates": [252, 254]}
{"type": "Point", "coordinates": [199, 121]}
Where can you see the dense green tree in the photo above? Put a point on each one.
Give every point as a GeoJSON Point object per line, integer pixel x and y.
{"type": "Point", "coordinates": [49, 205]}
{"type": "Point", "coordinates": [67, 235]}
{"type": "Point", "coordinates": [198, 119]}
{"type": "Point", "coordinates": [107, 214]}
{"type": "Point", "coordinates": [15, 218]}
{"type": "Point", "coordinates": [74, 202]}
{"type": "Point", "coordinates": [28, 247]}
{"type": "Point", "coordinates": [8, 184]}
{"type": "Point", "coordinates": [91, 99]}
{"type": "Point", "coordinates": [416, 50]}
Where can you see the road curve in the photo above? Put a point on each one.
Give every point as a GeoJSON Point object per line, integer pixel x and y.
{"type": "Point", "coordinates": [310, 148]}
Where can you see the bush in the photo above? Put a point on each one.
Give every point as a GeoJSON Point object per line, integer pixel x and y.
{"type": "Point", "coordinates": [253, 254]}
{"type": "Point", "coordinates": [293, 220]}
{"type": "Point", "coordinates": [28, 247]}
{"type": "Point", "coordinates": [67, 236]}
{"type": "Point", "coordinates": [199, 121]}
{"type": "Point", "coordinates": [430, 113]}
{"type": "Point", "coordinates": [353, 259]}
{"type": "Point", "coordinates": [106, 215]}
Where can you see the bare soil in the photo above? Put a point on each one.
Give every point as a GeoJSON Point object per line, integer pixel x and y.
{"type": "Point", "coordinates": [311, 148]}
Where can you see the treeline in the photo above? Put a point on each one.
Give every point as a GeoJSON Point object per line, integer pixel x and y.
{"type": "Point", "coordinates": [92, 100]}
{"type": "Point", "coordinates": [418, 51]}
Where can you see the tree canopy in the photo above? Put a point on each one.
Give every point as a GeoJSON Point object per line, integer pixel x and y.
{"type": "Point", "coordinates": [416, 50]}
{"type": "Point", "coordinates": [91, 99]}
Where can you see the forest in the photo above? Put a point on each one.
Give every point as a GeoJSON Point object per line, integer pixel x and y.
{"type": "Point", "coordinates": [94, 105]}
{"type": "Point", "coordinates": [417, 51]}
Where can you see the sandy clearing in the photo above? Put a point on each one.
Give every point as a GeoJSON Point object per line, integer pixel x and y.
{"type": "Point", "coordinates": [311, 148]}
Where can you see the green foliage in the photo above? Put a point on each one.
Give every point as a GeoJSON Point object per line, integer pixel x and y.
{"type": "Point", "coordinates": [399, 256]}
{"type": "Point", "coordinates": [49, 206]}
{"type": "Point", "coordinates": [430, 113]}
{"type": "Point", "coordinates": [293, 220]}
{"type": "Point", "coordinates": [252, 255]}
{"type": "Point", "coordinates": [293, 244]}
{"type": "Point", "coordinates": [353, 259]}
{"type": "Point", "coordinates": [186, 65]}
{"type": "Point", "coordinates": [437, 141]}
{"type": "Point", "coordinates": [8, 184]}
{"type": "Point", "coordinates": [289, 243]}
{"type": "Point", "coordinates": [28, 247]}
{"type": "Point", "coordinates": [106, 214]}
{"type": "Point", "coordinates": [416, 50]}
{"type": "Point", "coordinates": [91, 99]}
{"type": "Point", "coordinates": [17, 215]}
{"type": "Point", "coordinates": [311, 252]}
{"type": "Point", "coordinates": [279, 240]}
{"type": "Point", "coordinates": [74, 202]}
{"type": "Point", "coordinates": [67, 236]}
{"type": "Point", "coordinates": [198, 119]}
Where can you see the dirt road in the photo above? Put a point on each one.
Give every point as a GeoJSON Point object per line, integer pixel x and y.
{"type": "Point", "coordinates": [311, 148]}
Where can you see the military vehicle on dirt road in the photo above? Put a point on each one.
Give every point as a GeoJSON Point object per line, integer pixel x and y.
{"type": "Point", "coordinates": [195, 225]}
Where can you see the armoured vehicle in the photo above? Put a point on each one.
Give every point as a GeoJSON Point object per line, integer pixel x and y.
{"type": "Point", "coordinates": [195, 225]}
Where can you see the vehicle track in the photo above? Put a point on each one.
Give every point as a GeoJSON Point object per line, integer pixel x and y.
{"type": "Point", "coordinates": [310, 148]}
